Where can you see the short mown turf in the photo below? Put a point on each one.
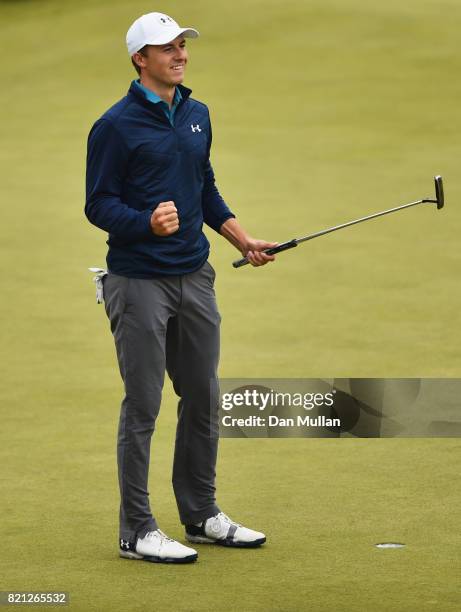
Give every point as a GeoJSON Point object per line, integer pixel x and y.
{"type": "Point", "coordinates": [323, 111]}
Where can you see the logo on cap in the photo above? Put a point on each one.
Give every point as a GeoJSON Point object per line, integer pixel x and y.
{"type": "Point", "coordinates": [165, 20]}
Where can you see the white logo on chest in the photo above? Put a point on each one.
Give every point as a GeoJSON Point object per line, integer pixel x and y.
{"type": "Point", "coordinates": [195, 128]}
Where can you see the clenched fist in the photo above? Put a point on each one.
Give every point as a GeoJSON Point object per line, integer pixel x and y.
{"type": "Point", "coordinates": [164, 220]}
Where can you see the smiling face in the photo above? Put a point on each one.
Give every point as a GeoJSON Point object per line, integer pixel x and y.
{"type": "Point", "coordinates": [163, 65]}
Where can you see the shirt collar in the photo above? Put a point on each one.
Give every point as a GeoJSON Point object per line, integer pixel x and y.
{"type": "Point", "coordinates": [153, 97]}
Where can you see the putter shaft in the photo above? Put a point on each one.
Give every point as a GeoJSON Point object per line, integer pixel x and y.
{"type": "Point", "coordinates": [367, 218]}
{"type": "Point", "coordinates": [284, 246]}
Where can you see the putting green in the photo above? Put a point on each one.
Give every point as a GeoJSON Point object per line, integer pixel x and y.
{"type": "Point", "coordinates": [322, 111]}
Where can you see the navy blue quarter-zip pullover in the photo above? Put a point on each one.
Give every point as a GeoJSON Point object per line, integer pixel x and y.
{"type": "Point", "coordinates": [137, 159]}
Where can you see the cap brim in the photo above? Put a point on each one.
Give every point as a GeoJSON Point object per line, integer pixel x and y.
{"type": "Point", "coordinates": [171, 35]}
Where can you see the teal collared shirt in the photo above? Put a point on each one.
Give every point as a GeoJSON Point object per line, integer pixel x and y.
{"type": "Point", "coordinates": [153, 97]}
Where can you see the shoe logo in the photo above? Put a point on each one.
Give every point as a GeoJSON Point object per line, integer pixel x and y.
{"type": "Point", "coordinates": [124, 544]}
{"type": "Point", "coordinates": [195, 128]}
{"type": "Point", "coordinates": [216, 526]}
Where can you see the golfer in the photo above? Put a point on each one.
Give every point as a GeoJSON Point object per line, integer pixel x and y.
{"type": "Point", "coordinates": [151, 186]}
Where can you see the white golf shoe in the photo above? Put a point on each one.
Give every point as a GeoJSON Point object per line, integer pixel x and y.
{"type": "Point", "coordinates": [157, 547]}
{"type": "Point", "coordinates": [220, 529]}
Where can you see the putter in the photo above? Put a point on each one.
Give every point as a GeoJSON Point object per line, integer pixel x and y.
{"type": "Point", "coordinates": [284, 246]}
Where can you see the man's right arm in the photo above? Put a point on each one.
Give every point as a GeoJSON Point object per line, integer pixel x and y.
{"type": "Point", "coordinates": [106, 166]}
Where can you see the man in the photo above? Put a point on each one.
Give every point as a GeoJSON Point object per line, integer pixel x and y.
{"type": "Point", "coordinates": [151, 186]}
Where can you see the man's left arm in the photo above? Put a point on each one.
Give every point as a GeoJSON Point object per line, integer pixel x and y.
{"type": "Point", "coordinates": [219, 217]}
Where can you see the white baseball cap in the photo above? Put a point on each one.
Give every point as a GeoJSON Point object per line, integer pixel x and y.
{"type": "Point", "coordinates": [155, 29]}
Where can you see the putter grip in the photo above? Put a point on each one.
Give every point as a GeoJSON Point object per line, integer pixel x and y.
{"type": "Point", "coordinates": [272, 251]}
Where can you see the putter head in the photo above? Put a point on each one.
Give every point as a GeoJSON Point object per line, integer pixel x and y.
{"type": "Point", "coordinates": [439, 191]}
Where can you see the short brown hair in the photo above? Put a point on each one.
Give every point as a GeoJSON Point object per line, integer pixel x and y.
{"type": "Point", "coordinates": [142, 51]}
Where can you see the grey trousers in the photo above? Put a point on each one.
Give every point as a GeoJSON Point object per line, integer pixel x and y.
{"type": "Point", "coordinates": [167, 323]}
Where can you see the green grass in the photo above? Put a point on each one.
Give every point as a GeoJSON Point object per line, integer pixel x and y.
{"type": "Point", "coordinates": [322, 111]}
